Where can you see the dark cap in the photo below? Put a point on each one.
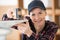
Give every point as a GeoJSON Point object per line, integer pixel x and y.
{"type": "Point", "coordinates": [36, 4]}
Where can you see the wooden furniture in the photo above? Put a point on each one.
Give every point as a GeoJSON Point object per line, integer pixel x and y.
{"type": "Point", "coordinates": [57, 37]}
{"type": "Point", "coordinates": [56, 11]}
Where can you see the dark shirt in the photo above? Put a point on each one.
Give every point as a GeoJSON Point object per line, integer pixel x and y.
{"type": "Point", "coordinates": [47, 33]}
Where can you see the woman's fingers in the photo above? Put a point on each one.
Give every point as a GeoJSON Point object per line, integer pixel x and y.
{"type": "Point", "coordinates": [22, 29]}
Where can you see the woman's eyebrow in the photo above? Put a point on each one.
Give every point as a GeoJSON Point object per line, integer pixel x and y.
{"type": "Point", "coordinates": [40, 12]}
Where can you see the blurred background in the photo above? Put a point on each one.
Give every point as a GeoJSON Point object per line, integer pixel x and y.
{"type": "Point", "coordinates": [17, 9]}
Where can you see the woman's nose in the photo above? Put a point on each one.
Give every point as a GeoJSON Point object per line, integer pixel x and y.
{"type": "Point", "coordinates": [36, 17]}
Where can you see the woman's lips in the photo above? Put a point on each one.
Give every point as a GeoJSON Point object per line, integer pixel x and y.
{"type": "Point", "coordinates": [38, 21]}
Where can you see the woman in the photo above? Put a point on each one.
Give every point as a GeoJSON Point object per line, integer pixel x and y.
{"type": "Point", "coordinates": [37, 28]}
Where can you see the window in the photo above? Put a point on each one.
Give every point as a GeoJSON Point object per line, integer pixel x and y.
{"type": "Point", "coordinates": [8, 2]}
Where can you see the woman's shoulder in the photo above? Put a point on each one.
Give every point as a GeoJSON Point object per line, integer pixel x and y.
{"type": "Point", "coordinates": [51, 24]}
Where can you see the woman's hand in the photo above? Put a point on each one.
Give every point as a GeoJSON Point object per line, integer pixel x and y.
{"type": "Point", "coordinates": [25, 28]}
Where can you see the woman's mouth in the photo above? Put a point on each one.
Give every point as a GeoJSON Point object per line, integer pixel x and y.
{"type": "Point", "coordinates": [38, 21]}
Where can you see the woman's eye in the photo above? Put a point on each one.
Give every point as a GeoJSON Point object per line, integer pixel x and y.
{"type": "Point", "coordinates": [33, 14]}
{"type": "Point", "coordinates": [40, 13]}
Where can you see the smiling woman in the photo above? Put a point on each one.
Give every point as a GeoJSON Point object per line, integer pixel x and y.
{"type": "Point", "coordinates": [41, 29]}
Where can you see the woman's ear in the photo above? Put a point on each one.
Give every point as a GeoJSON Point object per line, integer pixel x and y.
{"type": "Point", "coordinates": [45, 13]}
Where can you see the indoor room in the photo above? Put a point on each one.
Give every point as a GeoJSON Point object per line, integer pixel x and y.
{"type": "Point", "coordinates": [16, 15]}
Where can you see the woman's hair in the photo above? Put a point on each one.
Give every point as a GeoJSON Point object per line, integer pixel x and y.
{"type": "Point", "coordinates": [31, 24]}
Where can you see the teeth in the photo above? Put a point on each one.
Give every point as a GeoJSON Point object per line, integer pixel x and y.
{"type": "Point", "coordinates": [38, 21]}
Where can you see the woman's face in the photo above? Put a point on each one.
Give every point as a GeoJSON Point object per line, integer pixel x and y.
{"type": "Point", "coordinates": [38, 16]}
